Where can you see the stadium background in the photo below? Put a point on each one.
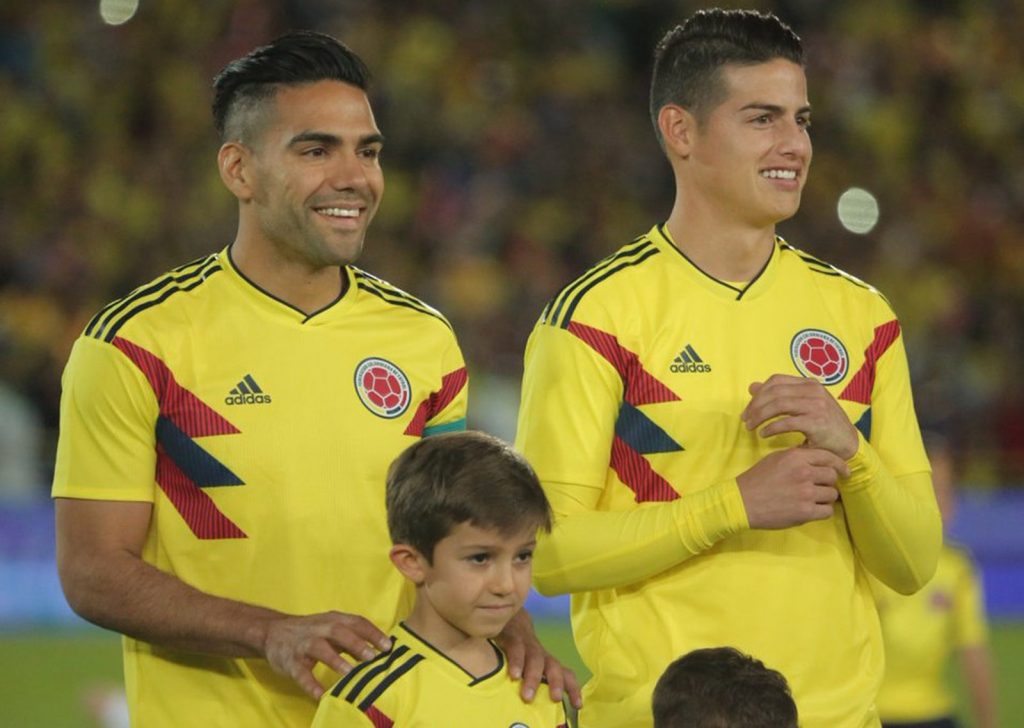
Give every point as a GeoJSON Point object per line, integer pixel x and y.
{"type": "Point", "coordinates": [518, 150]}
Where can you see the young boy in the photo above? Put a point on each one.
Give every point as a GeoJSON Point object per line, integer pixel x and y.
{"type": "Point", "coordinates": [463, 511]}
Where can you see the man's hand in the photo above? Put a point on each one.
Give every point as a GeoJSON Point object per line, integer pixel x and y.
{"type": "Point", "coordinates": [294, 645]}
{"type": "Point", "coordinates": [527, 659]}
{"type": "Point", "coordinates": [801, 405]}
{"type": "Point", "coordinates": [791, 487]}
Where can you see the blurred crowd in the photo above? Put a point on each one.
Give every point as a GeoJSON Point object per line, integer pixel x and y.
{"type": "Point", "coordinates": [519, 150]}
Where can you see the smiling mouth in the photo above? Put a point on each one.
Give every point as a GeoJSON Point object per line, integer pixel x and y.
{"type": "Point", "coordinates": [784, 174]}
{"type": "Point", "coordinates": [339, 212]}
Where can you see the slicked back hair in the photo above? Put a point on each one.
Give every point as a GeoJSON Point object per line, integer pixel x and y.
{"type": "Point", "coordinates": [689, 59]}
{"type": "Point", "coordinates": [720, 687]}
{"type": "Point", "coordinates": [461, 477]}
{"type": "Point", "coordinates": [244, 86]}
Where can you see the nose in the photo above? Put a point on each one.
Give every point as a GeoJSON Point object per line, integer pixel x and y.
{"type": "Point", "coordinates": [794, 141]}
{"type": "Point", "coordinates": [348, 172]}
{"type": "Point", "coordinates": [502, 581]}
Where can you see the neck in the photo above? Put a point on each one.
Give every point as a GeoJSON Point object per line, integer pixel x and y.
{"type": "Point", "coordinates": [288, 278]}
{"type": "Point", "coordinates": [475, 655]}
{"type": "Point", "coordinates": [723, 246]}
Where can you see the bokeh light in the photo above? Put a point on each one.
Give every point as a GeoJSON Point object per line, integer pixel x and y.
{"type": "Point", "coordinates": [858, 210]}
{"type": "Point", "coordinates": [118, 12]}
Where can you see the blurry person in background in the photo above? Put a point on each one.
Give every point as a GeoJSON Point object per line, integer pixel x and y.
{"type": "Point", "coordinates": [922, 632]}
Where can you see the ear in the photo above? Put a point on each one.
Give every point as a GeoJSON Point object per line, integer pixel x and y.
{"type": "Point", "coordinates": [678, 127]}
{"type": "Point", "coordinates": [410, 562]}
{"type": "Point", "coordinates": [234, 161]}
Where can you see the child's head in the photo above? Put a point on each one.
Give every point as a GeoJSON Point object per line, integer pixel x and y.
{"type": "Point", "coordinates": [720, 687]}
{"type": "Point", "coordinates": [463, 511]}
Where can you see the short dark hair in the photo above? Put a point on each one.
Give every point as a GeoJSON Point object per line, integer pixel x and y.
{"type": "Point", "coordinates": [444, 480]}
{"type": "Point", "coordinates": [689, 59]}
{"type": "Point", "coordinates": [720, 687]}
{"type": "Point", "coordinates": [296, 58]}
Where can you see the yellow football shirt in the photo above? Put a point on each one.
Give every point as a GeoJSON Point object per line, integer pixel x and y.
{"type": "Point", "coordinates": [261, 435]}
{"type": "Point", "coordinates": [414, 685]}
{"type": "Point", "coordinates": [922, 631]}
{"type": "Point", "coordinates": [635, 378]}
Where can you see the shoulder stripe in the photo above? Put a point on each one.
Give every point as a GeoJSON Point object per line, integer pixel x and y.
{"type": "Point", "coordinates": [376, 670]}
{"type": "Point", "coordinates": [387, 682]}
{"type": "Point", "coordinates": [395, 296]}
{"type": "Point", "coordinates": [816, 265]}
{"type": "Point", "coordinates": [608, 273]}
{"type": "Point", "coordinates": [372, 664]}
{"type": "Point", "coordinates": [554, 308]}
{"type": "Point", "coordinates": [105, 324]}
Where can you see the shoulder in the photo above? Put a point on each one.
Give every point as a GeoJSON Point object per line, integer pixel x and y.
{"type": "Point", "coordinates": [378, 678]}
{"type": "Point", "coordinates": [150, 302]}
{"type": "Point", "coordinates": [833, 280]}
{"type": "Point", "coordinates": [604, 282]}
{"type": "Point", "coordinates": [396, 299]}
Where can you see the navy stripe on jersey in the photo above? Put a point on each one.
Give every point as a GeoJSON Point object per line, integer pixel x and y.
{"type": "Point", "coordinates": [387, 682]}
{"type": "Point", "coordinates": [374, 671]}
{"type": "Point", "coordinates": [571, 308]}
{"type": "Point", "coordinates": [816, 265]}
{"type": "Point", "coordinates": [554, 309]}
{"type": "Point", "coordinates": [384, 657]}
{"type": "Point", "coordinates": [388, 293]}
{"type": "Point", "coordinates": [105, 324]}
{"type": "Point", "coordinates": [648, 252]}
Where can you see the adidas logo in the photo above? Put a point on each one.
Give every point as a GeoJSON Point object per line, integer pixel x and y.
{"type": "Point", "coordinates": [247, 392]}
{"type": "Point", "coordinates": [689, 360]}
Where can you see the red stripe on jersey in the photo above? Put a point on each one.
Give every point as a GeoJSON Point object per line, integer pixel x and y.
{"type": "Point", "coordinates": [638, 475]}
{"type": "Point", "coordinates": [860, 387]}
{"type": "Point", "coordinates": [192, 416]}
{"type": "Point", "coordinates": [640, 385]}
{"type": "Point", "coordinates": [196, 508]}
{"type": "Point", "coordinates": [378, 719]}
{"type": "Point", "coordinates": [451, 384]}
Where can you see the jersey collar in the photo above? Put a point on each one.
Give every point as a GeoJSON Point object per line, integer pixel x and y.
{"type": "Point", "coordinates": [756, 287]}
{"type": "Point", "coordinates": [275, 306]}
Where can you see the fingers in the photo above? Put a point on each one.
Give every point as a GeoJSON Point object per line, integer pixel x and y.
{"type": "Point", "coordinates": [357, 635]}
{"type": "Point", "coordinates": [304, 677]}
{"type": "Point", "coordinates": [571, 685]}
{"type": "Point", "coordinates": [829, 460]}
{"type": "Point", "coordinates": [515, 651]}
{"type": "Point", "coordinates": [535, 665]}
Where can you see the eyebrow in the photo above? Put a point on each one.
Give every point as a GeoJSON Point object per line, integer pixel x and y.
{"type": "Point", "coordinates": [772, 108]}
{"type": "Point", "coordinates": [333, 139]}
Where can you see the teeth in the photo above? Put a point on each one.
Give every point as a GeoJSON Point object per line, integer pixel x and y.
{"type": "Point", "coordinates": [779, 174]}
{"type": "Point", "coordinates": [338, 211]}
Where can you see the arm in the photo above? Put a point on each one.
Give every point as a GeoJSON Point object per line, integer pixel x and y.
{"type": "Point", "coordinates": [571, 400]}
{"type": "Point", "coordinates": [976, 667]}
{"type": "Point", "coordinates": [894, 520]}
{"type": "Point", "coordinates": [971, 633]}
{"type": "Point", "coordinates": [105, 580]}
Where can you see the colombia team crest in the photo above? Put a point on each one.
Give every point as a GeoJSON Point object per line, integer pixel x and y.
{"type": "Point", "coordinates": [382, 387]}
{"type": "Point", "coordinates": [819, 355]}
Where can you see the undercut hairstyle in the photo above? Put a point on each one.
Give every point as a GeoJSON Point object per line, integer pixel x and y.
{"type": "Point", "coordinates": [689, 59]}
{"type": "Point", "coordinates": [243, 88]}
{"type": "Point", "coordinates": [461, 477]}
{"type": "Point", "coordinates": [720, 687]}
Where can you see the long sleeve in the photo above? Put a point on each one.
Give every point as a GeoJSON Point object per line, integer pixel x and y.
{"type": "Point", "coordinates": [894, 521]}
{"type": "Point", "coordinates": [590, 549]}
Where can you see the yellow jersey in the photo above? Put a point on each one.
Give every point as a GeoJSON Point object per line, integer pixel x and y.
{"type": "Point", "coordinates": [922, 631]}
{"type": "Point", "coordinates": [414, 685]}
{"type": "Point", "coordinates": [261, 435]}
{"type": "Point", "coordinates": [635, 378]}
